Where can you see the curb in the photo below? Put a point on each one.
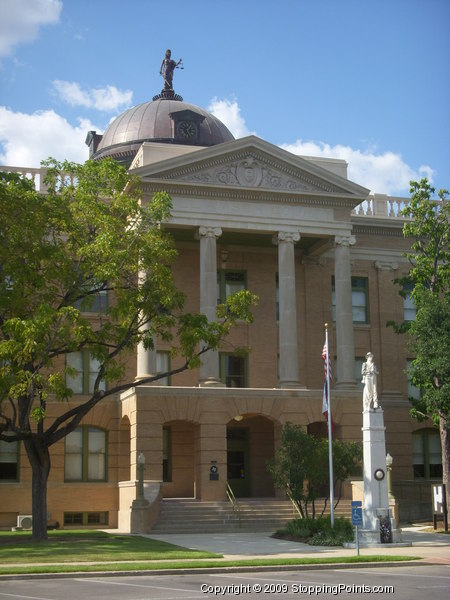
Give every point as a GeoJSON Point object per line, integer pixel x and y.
{"type": "Point", "coordinates": [216, 570]}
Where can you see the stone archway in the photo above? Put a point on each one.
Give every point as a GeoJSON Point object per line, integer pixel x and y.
{"type": "Point", "coordinates": [250, 444]}
{"type": "Point", "coordinates": [178, 466]}
{"type": "Point", "coordinates": [124, 450]}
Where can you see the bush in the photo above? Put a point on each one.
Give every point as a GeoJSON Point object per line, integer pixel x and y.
{"type": "Point", "coordinates": [318, 532]}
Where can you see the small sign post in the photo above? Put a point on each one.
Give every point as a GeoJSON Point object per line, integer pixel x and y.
{"type": "Point", "coordinates": [356, 521]}
{"type": "Point", "coordinates": [440, 509]}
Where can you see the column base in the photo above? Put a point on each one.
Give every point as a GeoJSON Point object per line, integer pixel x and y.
{"type": "Point", "coordinates": [141, 377]}
{"type": "Point", "coordinates": [346, 385]}
{"type": "Point", "coordinates": [211, 382]}
{"type": "Point", "coordinates": [291, 385]}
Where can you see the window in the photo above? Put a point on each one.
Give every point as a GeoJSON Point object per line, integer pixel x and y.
{"type": "Point", "coordinates": [427, 456]}
{"type": "Point", "coordinates": [9, 461]}
{"type": "Point", "coordinates": [233, 370]}
{"type": "Point", "coordinates": [162, 366]}
{"type": "Point", "coordinates": [409, 307]}
{"type": "Point", "coordinates": [85, 455]}
{"type": "Point", "coordinates": [359, 299]}
{"type": "Point", "coordinates": [95, 302]}
{"type": "Point", "coordinates": [85, 371]}
{"type": "Point", "coordinates": [413, 391]}
{"type": "Point", "coordinates": [167, 454]}
{"type": "Point", "coordinates": [85, 518]}
{"type": "Point", "coordinates": [229, 282]}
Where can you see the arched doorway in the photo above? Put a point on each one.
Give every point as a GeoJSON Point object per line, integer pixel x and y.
{"type": "Point", "coordinates": [250, 444]}
{"type": "Point", "coordinates": [178, 459]}
{"type": "Point", "coordinates": [124, 450]}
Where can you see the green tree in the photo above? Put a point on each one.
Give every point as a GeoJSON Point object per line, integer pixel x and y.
{"type": "Point", "coordinates": [428, 226]}
{"type": "Point", "coordinates": [88, 235]}
{"type": "Point", "coordinates": [301, 466]}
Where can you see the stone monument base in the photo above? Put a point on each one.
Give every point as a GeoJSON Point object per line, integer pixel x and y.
{"type": "Point", "coordinates": [379, 527]}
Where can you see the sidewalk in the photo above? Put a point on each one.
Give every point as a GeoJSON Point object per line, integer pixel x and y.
{"type": "Point", "coordinates": [434, 547]}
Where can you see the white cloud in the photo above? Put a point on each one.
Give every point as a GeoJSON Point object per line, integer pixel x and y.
{"type": "Point", "coordinates": [26, 140]}
{"type": "Point", "coordinates": [382, 173]}
{"type": "Point", "coordinates": [385, 173]}
{"type": "Point", "coordinates": [107, 99]}
{"type": "Point", "coordinates": [20, 21]}
{"type": "Point", "coordinates": [229, 113]}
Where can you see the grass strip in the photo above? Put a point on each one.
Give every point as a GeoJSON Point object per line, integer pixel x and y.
{"type": "Point", "coordinates": [197, 564]}
{"type": "Point", "coordinates": [90, 546]}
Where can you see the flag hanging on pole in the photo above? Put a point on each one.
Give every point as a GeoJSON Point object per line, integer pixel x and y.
{"type": "Point", "coordinates": [327, 374]}
{"type": "Point", "coordinates": [326, 410]}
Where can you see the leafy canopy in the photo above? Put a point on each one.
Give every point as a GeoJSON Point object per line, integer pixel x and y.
{"type": "Point", "coordinates": [301, 465]}
{"type": "Point", "coordinates": [429, 275]}
{"type": "Point", "coordinates": [88, 236]}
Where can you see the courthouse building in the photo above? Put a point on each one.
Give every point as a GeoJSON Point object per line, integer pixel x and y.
{"type": "Point", "coordinates": [316, 248]}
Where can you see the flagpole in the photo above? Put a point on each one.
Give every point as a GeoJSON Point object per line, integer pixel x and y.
{"type": "Point", "coordinates": [330, 446]}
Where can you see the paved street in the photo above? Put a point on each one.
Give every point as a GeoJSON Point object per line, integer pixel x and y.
{"type": "Point", "coordinates": [409, 583]}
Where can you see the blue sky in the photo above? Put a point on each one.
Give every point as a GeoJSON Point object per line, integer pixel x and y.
{"type": "Point", "coordinates": [363, 80]}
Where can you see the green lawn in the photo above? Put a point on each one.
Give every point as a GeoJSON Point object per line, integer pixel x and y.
{"type": "Point", "coordinates": [115, 552]}
{"type": "Point", "coordinates": [88, 546]}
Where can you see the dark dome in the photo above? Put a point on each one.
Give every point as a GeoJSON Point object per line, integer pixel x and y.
{"type": "Point", "coordinates": [154, 122]}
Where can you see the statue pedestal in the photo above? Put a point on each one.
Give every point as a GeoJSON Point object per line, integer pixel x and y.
{"type": "Point", "coordinates": [378, 524]}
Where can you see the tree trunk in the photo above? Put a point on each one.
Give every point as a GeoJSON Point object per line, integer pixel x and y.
{"type": "Point", "coordinates": [445, 446]}
{"type": "Point", "coordinates": [39, 458]}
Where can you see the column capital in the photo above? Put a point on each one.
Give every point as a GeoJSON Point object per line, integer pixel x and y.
{"type": "Point", "coordinates": [208, 231]}
{"type": "Point", "coordinates": [344, 240]}
{"type": "Point", "coordinates": [285, 236]}
{"type": "Point", "coordinates": [385, 265]}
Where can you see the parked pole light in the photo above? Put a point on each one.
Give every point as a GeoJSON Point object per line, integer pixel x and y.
{"type": "Point", "coordinates": [389, 461]}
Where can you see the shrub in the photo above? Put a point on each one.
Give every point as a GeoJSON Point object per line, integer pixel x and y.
{"type": "Point", "coordinates": [318, 532]}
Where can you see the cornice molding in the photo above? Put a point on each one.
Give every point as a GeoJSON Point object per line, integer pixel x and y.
{"type": "Point", "coordinates": [220, 192]}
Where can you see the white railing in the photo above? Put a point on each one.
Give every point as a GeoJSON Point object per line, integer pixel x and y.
{"type": "Point", "coordinates": [376, 205]}
{"type": "Point", "coordinates": [381, 206]}
{"type": "Point", "coordinates": [38, 176]}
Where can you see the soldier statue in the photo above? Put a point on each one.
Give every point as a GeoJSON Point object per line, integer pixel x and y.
{"type": "Point", "coordinates": [369, 374]}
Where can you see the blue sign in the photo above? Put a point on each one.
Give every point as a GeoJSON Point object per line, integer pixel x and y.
{"type": "Point", "coordinates": [356, 515]}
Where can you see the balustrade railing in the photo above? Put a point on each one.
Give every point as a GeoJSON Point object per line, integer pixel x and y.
{"type": "Point", "coordinates": [37, 175]}
{"type": "Point", "coordinates": [375, 205]}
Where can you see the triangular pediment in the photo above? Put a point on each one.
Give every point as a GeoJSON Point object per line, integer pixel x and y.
{"type": "Point", "coordinates": [250, 163]}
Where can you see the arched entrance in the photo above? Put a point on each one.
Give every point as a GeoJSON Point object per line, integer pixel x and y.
{"type": "Point", "coordinates": [250, 444]}
{"type": "Point", "coordinates": [178, 459]}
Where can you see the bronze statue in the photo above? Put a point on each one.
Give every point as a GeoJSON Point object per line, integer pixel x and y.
{"type": "Point", "coordinates": [167, 67]}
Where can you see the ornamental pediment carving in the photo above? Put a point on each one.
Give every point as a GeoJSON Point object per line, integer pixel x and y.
{"type": "Point", "coordinates": [253, 171]}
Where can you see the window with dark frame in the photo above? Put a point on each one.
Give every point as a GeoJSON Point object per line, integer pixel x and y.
{"type": "Point", "coordinates": [85, 456]}
{"type": "Point", "coordinates": [360, 302]}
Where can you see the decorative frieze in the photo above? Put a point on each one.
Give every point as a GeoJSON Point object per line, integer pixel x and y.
{"type": "Point", "coordinates": [254, 171]}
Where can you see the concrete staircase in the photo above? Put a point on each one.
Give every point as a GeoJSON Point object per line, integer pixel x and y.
{"type": "Point", "coordinates": [255, 514]}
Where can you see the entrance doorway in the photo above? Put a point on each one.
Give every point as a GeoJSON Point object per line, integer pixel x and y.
{"type": "Point", "coordinates": [238, 461]}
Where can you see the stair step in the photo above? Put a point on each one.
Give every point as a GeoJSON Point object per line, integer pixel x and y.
{"type": "Point", "coordinates": [255, 514]}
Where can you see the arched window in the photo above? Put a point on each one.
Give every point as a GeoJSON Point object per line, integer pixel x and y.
{"type": "Point", "coordinates": [85, 457]}
{"type": "Point", "coordinates": [427, 455]}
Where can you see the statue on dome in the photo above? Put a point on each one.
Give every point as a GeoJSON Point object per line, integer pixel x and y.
{"type": "Point", "coordinates": [369, 374]}
{"type": "Point", "coordinates": [167, 68]}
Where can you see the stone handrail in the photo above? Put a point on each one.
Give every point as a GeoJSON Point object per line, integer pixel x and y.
{"type": "Point", "coordinates": [37, 175]}
{"type": "Point", "coordinates": [381, 206]}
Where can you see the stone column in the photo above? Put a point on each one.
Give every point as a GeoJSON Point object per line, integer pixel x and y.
{"type": "Point", "coordinates": [344, 314]}
{"type": "Point", "coordinates": [209, 369]}
{"type": "Point", "coordinates": [146, 357]}
{"type": "Point", "coordinates": [289, 375]}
